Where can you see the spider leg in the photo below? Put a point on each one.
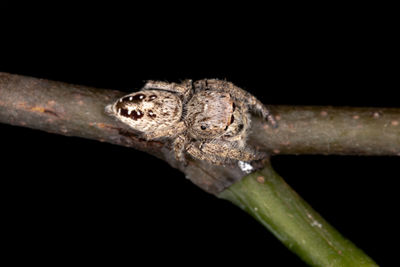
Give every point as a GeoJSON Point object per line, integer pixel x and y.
{"type": "Point", "coordinates": [222, 152]}
{"type": "Point", "coordinates": [184, 88]}
{"type": "Point", "coordinates": [168, 132]}
{"type": "Point", "coordinates": [179, 145]}
{"type": "Point", "coordinates": [238, 94]}
{"type": "Point", "coordinates": [196, 152]}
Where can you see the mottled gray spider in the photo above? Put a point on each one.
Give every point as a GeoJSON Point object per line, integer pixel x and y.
{"type": "Point", "coordinates": [208, 119]}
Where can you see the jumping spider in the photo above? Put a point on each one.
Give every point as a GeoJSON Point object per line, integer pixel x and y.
{"type": "Point", "coordinates": [208, 119]}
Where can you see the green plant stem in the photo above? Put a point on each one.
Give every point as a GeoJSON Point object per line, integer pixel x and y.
{"type": "Point", "coordinates": [266, 196]}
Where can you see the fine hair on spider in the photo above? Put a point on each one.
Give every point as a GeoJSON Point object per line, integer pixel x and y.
{"type": "Point", "coordinates": [208, 119]}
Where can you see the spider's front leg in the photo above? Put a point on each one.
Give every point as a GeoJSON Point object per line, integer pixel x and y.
{"type": "Point", "coordinates": [239, 94]}
{"type": "Point", "coordinates": [222, 152]}
{"type": "Point", "coordinates": [184, 88]}
{"type": "Point", "coordinates": [196, 152]}
{"type": "Point", "coordinates": [179, 147]}
{"type": "Point", "coordinates": [166, 132]}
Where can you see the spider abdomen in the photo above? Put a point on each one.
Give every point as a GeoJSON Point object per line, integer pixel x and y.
{"type": "Point", "coordinates": [212, 113]}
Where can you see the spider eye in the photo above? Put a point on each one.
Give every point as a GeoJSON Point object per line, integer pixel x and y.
{"type": "Point", "coordinates": [203, 127]}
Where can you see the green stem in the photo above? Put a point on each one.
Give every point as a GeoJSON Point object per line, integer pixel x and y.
{"type": "Point", "coordinates": [274, 204]}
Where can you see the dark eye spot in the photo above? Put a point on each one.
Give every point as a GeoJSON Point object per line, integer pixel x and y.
{"type": "Point", "coordinates": [151, 114]}
{"type": "Point", "coordinates": [138, 97]}
{"type": "Point", "coordinates": [124, 112]}
{"type": "Point", "coordinates": [152, 97]}
{"type": "Point", "coordinates": [203, 127]}
{"type": "Point", "coordinates": [136, 114]}
{"type": "Point", "coordinates": [130, 99]}
{"type": "Point", "coordinates": [134, 98]}
{"type": "Point", "coordinates": [240, 127]}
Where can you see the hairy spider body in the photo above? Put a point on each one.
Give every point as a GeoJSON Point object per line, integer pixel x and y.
{"type": "Point", "coordinates": [208, 119]}
{"type": "Point", "coordinates": [216, 115]}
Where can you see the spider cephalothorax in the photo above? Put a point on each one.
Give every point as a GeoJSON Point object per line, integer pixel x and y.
{"type": "Point", "coordinates": [208, 119]}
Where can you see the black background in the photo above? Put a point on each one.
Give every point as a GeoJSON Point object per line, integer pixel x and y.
{"type": "Point", "coordinates": [72, 198]}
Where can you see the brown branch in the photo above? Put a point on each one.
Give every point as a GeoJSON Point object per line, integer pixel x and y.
{"type": "Point", "coordinates": [79, 111]}
{"type": "Point", "coordinates": [330, 131]}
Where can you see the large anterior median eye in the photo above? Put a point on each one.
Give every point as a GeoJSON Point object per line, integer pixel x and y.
{"type": "Point", "coordinates": [203, 127]}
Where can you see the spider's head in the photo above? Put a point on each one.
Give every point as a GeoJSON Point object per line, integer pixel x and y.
{"type": "Point", "coordinates": [147, 110]}
{"type": "Point", "coordinates": [129, 107]}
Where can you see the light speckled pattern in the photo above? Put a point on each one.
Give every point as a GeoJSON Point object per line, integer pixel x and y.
{"type": "Point", "coordinates": [208, 119]}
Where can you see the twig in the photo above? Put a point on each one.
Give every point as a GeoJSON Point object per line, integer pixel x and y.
{"type": "Point", "coordinates": [331, 131]}
{"type": "Point", "coordinates": [74, 110]}
{"type": "Point", "coordinates": [79, 111]}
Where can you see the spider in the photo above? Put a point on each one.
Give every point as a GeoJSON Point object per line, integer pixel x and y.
{"type": "Point", "coordinates": [208, 119]}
